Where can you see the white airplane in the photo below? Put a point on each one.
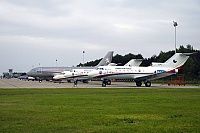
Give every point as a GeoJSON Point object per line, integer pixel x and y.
{"type": "Point", "coordinates": [75, 75]}
{"type": "Point", "coordinates": [141, 74]}
{"type": "Point", "coordinates": [47, 73]}
{"type": "Point", "coordinates": [82, 74]}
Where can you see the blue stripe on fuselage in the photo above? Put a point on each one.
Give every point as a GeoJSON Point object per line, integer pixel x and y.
{"type": "Point", "coordinates": [160, 71]}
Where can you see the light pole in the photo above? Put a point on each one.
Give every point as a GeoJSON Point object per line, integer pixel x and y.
{"type": "Point", "coordinates": [56, 62]}
{"type": "Point", "coordinates": [83, 57]}
{"type": "Point", "coordinates": [175, 24]}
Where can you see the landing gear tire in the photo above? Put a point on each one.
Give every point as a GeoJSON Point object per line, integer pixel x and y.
{"type": "Point", "coordinates": [108, 82]}
{"type": "Point", "coordinates": [147, 84]}
{"type": "Point", "coordinates": [103, 83]}
{"type": "Point", "coordinates": [138, 83]}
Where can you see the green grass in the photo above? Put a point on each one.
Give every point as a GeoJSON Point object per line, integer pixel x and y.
{"type": "Point", "coordinates": [100, 110]}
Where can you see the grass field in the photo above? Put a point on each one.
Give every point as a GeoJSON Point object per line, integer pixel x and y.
{"type": "Point", "coordinates": [100, 110]}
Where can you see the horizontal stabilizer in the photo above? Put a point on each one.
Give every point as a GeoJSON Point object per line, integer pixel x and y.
{"type": "Point", "coordinates": [176, 61]}
{"type": "Point", "coordinates": [112, 64]}
{"type": "Point", "coordinates": [134, 62]}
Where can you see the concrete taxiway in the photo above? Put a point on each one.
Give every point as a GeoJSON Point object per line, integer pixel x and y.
{"type": "Point", "coordinates": [15, 83]}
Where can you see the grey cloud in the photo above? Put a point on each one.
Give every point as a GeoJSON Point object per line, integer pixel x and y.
{"type": "Point", "coordinates": [42, 31]}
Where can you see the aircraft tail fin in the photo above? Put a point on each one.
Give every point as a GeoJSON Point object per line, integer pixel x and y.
{"type": "Point", "coordinates": [107, 59]}
{"type": "Point", "coordinates": [175, 62]}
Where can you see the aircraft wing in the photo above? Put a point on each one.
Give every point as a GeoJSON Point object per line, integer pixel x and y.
{"type": "Point", "coordinates": [155, 76]}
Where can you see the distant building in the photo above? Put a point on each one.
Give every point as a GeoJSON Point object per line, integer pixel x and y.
{"type": "Point", "coordinates": [6, 75]}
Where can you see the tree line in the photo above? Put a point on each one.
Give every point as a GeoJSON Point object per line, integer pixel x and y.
{"type": "Point", "coordinates": [190, 70]}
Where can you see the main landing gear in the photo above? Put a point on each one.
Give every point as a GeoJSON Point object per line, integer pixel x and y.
{"type": "Point", "coordinates": [106, 82]}
{"type": "Point", "coordinates": [138, 83]}
{"type": "Point", "coordinates": [147, 83]}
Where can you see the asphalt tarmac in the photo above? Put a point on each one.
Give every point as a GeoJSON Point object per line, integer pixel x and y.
{"type": "Point", "coordinates": [16, 83]}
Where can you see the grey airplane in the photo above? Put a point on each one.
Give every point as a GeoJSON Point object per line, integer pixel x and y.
{"type": "Point", "coordinates": [47, 73]}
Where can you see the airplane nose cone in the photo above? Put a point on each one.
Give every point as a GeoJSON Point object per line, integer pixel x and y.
{"type": "Point", "coordinates": [55, 77]}
{"type": "Point", "coordinates": [58, 77]}
{"type": "Point", "coordinates": [29, 73]}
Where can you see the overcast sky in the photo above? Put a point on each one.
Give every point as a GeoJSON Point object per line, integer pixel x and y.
{"type": "Point", "coordinates": [39, 32]}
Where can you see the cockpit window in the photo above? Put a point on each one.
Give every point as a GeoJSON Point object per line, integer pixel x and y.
{"type": "Point", "coordinates": [100, 68]}
{"type": "Point", "coordinates": [62, 73]}
{"type": "Point", "coordinates": [34, 70]}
